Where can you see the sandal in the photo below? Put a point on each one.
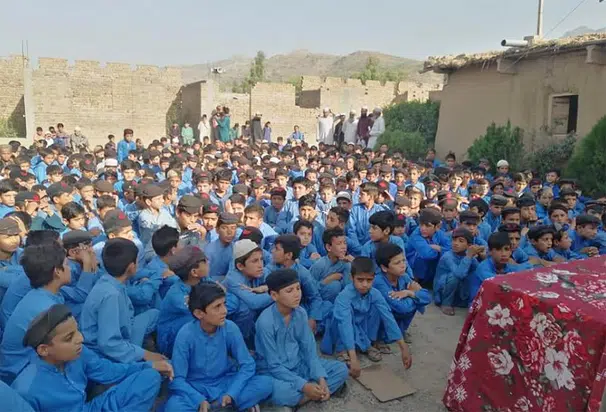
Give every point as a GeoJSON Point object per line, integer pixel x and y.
{"type": "Point", "coordinates": [447, 310]}
{"type": "Point", "coordinates": [374, 355]}
{"type": "Point", "coordinates": [343, 357]}
{"type": "Point", "coordinates": [383, 348]}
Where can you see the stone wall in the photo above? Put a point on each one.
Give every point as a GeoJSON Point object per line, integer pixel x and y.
{"type": "Point", "coordinates": [104, 100]}
{"type": "Point", "coordinates": [12, 108]}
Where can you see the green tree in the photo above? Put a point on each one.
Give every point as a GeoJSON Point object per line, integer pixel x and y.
{"type": "Point", "coordinates": [256, 74]}
{"type": "Point", "coordinates": [588, 162]}
{"type": "Point", "coordinates": [553, 154]}
{"type": "Point", "coordinates": [414, 117]}
{"type": "Point", "coordinates": [499, 142]}
{"type": "Point", "coordinates": [412, 144]}
{"type": "Point", "coordinates": [371, 70]}
{"type": "Point", "coordinates": [8, 129]}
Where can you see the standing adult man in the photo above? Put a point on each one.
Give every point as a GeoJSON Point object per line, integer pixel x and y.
{"type": "Point", "coordinates": [364, 126]}
{"type": "Point", "coordinates": [350, 128]}
{"type": "Point", "coordinates": [78, 140]}
{"type": "Point", "coordinates": [257, 129]}
{"type": "Point", "coordinates": [325, 127]}
{"type": "Point", "coordinates": [378, 127]}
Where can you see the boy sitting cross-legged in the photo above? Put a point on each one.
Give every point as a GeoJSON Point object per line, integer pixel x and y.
{"type": "Point", "coordinates": [62, 367]}
{"type": "Point", "coordinates": [381, 229]}
{"type": "Point", "coordinates": [452, 274]}
{"type": "Point", "coordinates": [332, 271]}
{"type": "Point", "coordinates": [287, 351]}
{"type": "Point", "coordinates": [213, 367]}
{"type": "Point", "coordinates": [404, 296]}
{"type": "Point", "coordinates": [358, 313]}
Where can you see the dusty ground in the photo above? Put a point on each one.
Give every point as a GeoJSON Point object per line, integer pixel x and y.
{"type": "Point", "coordinates": [434, 340]}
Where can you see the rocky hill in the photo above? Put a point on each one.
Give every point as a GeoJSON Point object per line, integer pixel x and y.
{"type": "Point", "coordinates": [583, 30]}
{"type": "Point", "coordinates": [285, 67]}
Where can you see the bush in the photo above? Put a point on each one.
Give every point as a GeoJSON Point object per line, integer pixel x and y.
{"type": "Point", "coordinates": [8, 129]}
{"type": "Point", "coordinates": [499, 142]}
{"type": "Point", "coordinates": [588, 162]}
{"type": "Point", "coordinates": [553, 154]}
{"type": "Point", "coordinates": [412, 144]}
{"type": "Point", "coordinates": [414, 117]}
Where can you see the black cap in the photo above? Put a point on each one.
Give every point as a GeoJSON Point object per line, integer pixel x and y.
{"type": "Point", "coordinates": [190, 204]}
{"type": "Point", "coordinates": [567, 192]}
{"type": "Point", "coordinates": [76, 237]}
{"type": "Point", "coordinates": [525, 201]}
{"type": "Point", "coordinates": [211, 208]}
{"type": "Point", "coordinates": [278, 191]}
{"type": "Point", "coordinates": [535, 232]}
{"type": "Point", "coordinates": [228, 219]}
{"type": "Point", "coordinates": [280, 279]}
{"type": "Point", "coordinates": [587, 220]}
{"type": "Point", "coordinates": [104, 186]}
{"type": "Point", "coordinates": [9, 227]}
{"type": "Point", "coordinates": [87, 165]}
{"type": "Point", "coordinates": [498, 200]}
{"type": "Point", "coordinates": [23, 196]}
{"type": "Point", "coordinates": [129, 185]}
{"type": "Point", "coordinates": [252, 233]}
{"type": "Point", "coordinates": [510, 228]}
{"type": "Point", "coordinates": [57, 189]}
{"type": "Point", "coordinates": [43, 324]}
{"type": "Point", "coordinates": [402, 201]}
{"type": "Point", "coordinates": [430, 215]}
{"type": "Point", "coordinates": [115, 219]}
{"type": "Point", "coordinates": [462, 232]}
{"type": "Point", "coordinates": [469, 216]}
{"type": "Point", "coordinates": [240, 188]}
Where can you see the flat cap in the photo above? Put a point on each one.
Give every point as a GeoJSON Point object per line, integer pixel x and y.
{"type": "Point", "coordinates": [278, 191]}
{"type": "Point", "coordinates": [469, 217]}
{"type": "Point", "coordinates": [258, 182]}
{"type": "Point", "coordinates": [151, 190]}
{"type": "Point", "coordinates": [57, 189]}
{"type": "Point", "coordinates": [402, 201]}
{"type": "Point", "coordinates": [535, 232]}
{"type": "Point", "coordinates": [228, 219]}
{"type": "Point", "coordinates": [585, 220]}
{"type": "Point", "coordinates": [252, 233]}
{"type": "Point", "coordinates": [525, 201]}
{"type": "Point", "coordinates": [30, 196]}
{"type": "Point", "coordinates": [498, 200]}
{"type": "Point", "coordinates": [104, 186]}
{"type": "Point", "coordinates": [9, 227]}
{"type": "Point", "coordinates": [240, 188]}
{"type": "Point", "coordinates": [385, 168]}
{"type": "Point", "coordinates": [43, 324]}
{"type": "Point", "coordinates": [568, 192]}
{"type": "Point", "coordinates": [87, 165]}
{"type": "Point", "coordinates": [190, 204]}
{"type": "Point", "coordinates": [115, 219]}
{"type": "Point", "coordinates": [185, 258]}
{"type": "Point", "coordinates": [344, 195]}
{"type": "Point", "coordinates": [211, 208]}
{"type": "Point", "coordinates": [76, 237]}
{"type": "Point", "coordinates": [464, 233]}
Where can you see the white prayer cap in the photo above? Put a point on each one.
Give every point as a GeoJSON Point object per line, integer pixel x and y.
{"type": "Point", "coordinates": [77, 129]}
{"type": "Point", "coordinates": [378, 110]}
{"type": "Point", "coordinates": [326, 110]}
{"type": "Point", "coordinates": [274, 160]}
{"type": "Point", "coordinates": [364, 107]}
{"type": "Point", "coordinates": [352, 111]}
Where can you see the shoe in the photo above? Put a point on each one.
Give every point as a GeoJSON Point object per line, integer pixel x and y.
{"type": "Point", "coordinates": [374, 355]}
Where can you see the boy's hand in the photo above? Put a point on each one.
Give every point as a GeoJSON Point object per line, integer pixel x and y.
{"type": "Point", "coordinates": [313, 391]}
{"type": "Point", "coordinates": [197, 227]}
{"type": "Point", "coordinates": [165, 369]}
{"type": "Point", "coordinates": [436, 248]}
{"type": "Point", "coordinates": [312, 324]}
{"type": "Point", "coordinates": [315, 256]}
{"type": "Point", "coordinates": [406, 356]}
{"type": "Point", "coordinates": [402, 294]}
{"type": "Point", "coordinates": [204, 406]}
{"type": "Point", "coordinates": [167, 273]}
{"type": "Point", "coordinates": [354, 367]}
{"type": "Point", "coordinates": [258, 289]}
{"type": "Point", "coordinates": [590, 251]}
{"type": "Point", "coordinates": [348, 258]}
{"type": "Point", "coordinates": [153, 356]}
{"type": "Point", "coordinates": [226, 400]}
{"type": "Point", "coordinates": [414, 286]}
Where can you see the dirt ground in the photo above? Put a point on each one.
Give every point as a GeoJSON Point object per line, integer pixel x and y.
{"type": "Point", "coordinates": [434, 340]}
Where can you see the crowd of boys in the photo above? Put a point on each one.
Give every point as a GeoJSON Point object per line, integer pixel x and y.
{"type": "Point", "coordinates": [218, 265]}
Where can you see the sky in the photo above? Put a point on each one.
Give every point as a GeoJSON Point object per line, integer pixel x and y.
{"type": "Point", "coordinates": [180, 32]}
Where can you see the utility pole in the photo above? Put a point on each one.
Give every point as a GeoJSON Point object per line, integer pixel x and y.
{"type": "Point", "coordinates": [540, 20]}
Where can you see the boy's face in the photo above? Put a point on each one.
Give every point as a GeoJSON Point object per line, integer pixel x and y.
{"type": "Point", "coordinates": [365, 197]}
{"type": "Point", "coordinates": [551, 177]}
{"type": "Point", "coordinates": [459, 245]}
{"type": "Point", "coordinates": [337, 247]}
{"type": "Point", "coordinates": [238, 209]}
{"type": "Point", "coordinates": [9, 243]}
{"type": "Point", "coordinates": [299, 190]}
{"type": "Point", "coordinates": [427, 229]}
{"type": "Point", "coordinates": [455, 181]}
{"type": "Point", "coordinates": [501, 256]}
{"type": "Point", "coordinates": [252, 219]}
{"type": "Point", "coordinates": [512, 218]}
{"type": "Point", "coordinates": [431, 192]}
{"type": "Point", "coordinates": [449, 213]}
{"type": "Point", "coordinates": [77, 223]}
{"type": "Point", "coordinates": [8, 198]}
{"type": "Point", "coordinates": [222, 185]}
{"type": "Point", "coordinates": [63, 199]}
{"type": "Point", "coordinates": [227, 232]}
{"type": "Point", "coordinates": [186, 219]}
{"type": "Point", "coordinates": [129, 174]}
{"type": "Point", "coordinates": [48, 159]}
{"type": "Point", "coordinates": [278, 255]}
{"type": "Point", "coordinates": [203, 187]}
{"type": "Point", "coordinates": [397, 265]}
{"type": "Point", "coordinates": [55, 178]}
{"type": "Point", "coordinates": [559, 216]}
{"type": "Point", "coordinates": [587, 231]}
{"type": "Point", "coordinates": [282, 180]}
{"type": "Point", "coordinates": [289, 296]}
{"type": "Point", "coordinates": [155, 202]}
{"type": "Point", "coordinates": [175, 181]}
{"type": "Point", "coordinates": [301, 162]}
{"type": "Point", "coordinates": [307, 213]}
{"type": "Point", "coordinates": [123, 233]}
{"type": "Point", "coordinates": [414, 175]}
{"type": "Point", "coordinates": [66, 345]}
{"type": "Point", "coordinates": [496, 209]}
{"type": "Point", "coordinates": [399, 178]}
{"type": "Point", "coordinates": [503, 169]}
{"type": "Point", "coordinates": [305, 235]}
{"type": "Point", "coordinates": [210, 220]}
{"type": "Point", "coordinates": [546, 198]}
{"type": "Point", "coordinates": [571, 201]}
{"type": "Point", "coordinates": [514, 238]}
{"type": "Point", "coordinates": [415, 200]}
{"type": "Point", "coordinates": [399, 230]}
{"type": "Point", "coordinates": [327, 194]}
{"type": "Point", "coordinates": [214, 314]}
{"type": "Point", "coordinates": [535, 189]}
{"type": "Point", "coordinates": [377, 234]}
{"type": "Point", "coordinates": [528, 213]}
{"type": "Point", "coordinates": [253, 267]}
{"type": "Point", "coordinates": [544, 243]}
{"type": "Point", "coordinates": [332, 220]}
{"type": "Point", "coordinates": [277, 202]}
{"type": "Point", "coordinates": [363, 282]}
{"type": "Point", "coordinates": [520, 186]}
{"type": "Point", "coordinates": [564, 243]}
{"type": "Point", "coordinates": [471, 226]}
{"type": "Point", "coordinates": [498, 190]}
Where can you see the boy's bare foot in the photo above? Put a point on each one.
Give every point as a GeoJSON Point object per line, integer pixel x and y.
{"type": "Point", "coordinates": [407, 337]}
{"type": "Point", "coordinates": [448, 310]}
{"type": "Point", "coordinates": [374, 355]}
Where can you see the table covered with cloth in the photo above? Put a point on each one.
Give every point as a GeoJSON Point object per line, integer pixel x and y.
{"type": "Point", "coordinates": [534, 341]}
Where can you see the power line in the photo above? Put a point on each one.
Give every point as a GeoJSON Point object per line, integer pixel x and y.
{"type": "Point", "coordinates": [565, 17]}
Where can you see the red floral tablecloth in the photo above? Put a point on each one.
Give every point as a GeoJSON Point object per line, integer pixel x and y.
{"type": "Point", "coordinates": [534, 341]}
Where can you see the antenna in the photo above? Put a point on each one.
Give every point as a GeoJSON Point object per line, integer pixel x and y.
{"type": "Point", "coordinates": [540, 19]}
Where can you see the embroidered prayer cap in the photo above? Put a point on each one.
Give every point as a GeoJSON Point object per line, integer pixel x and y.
{"type": "Point", "coordinates": [111, 162]}
{"type": "Point", "coordinates": [244, 247]}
